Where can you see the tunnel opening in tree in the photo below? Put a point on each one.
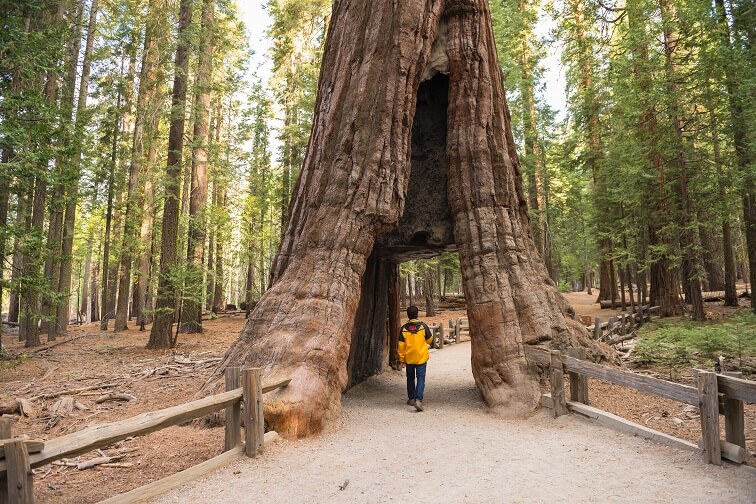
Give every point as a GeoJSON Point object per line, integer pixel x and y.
{"type": "Point", "coordinates": [425, 230]}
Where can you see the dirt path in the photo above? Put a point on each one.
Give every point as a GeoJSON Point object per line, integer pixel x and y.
{"type": "Point", "coordinates": [456, 451]}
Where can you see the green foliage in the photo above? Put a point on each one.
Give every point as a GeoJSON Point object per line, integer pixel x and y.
{"type": "Point", "coordinates": [684, 344]}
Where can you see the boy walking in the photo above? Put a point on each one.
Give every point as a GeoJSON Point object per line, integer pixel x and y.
{"type": "Point", "coordinates": [414, 339]}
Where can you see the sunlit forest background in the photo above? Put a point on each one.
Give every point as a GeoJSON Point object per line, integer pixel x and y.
{"type": "Point", "coordinates": [150, 150]}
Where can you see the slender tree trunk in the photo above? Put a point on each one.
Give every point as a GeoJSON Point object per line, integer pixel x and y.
{"type": "Point", "coordinates": [218, 294]}
{"type": "Point", "coordinates": [51, 298]}
{"type": "Point", "coordinates": [5, 188]}
{"type": "Point", "coordinates": [104, 305]}
{"type": "Point", "coordinates": [32, 259]}
{"type": "Point", "coordinates": [144, 269]}
{"type": "Point", "coordinates": [211, 261]}
{"type": "Point", "coordinates": [62, 313]}
{"type": "Point", "coordinates": [29, 323]}
{"type": "Point", "coordinates": [85, 310]}
{"type": "Point", "coordinates": [106, 248]}
{"type": "Point", "coordinates": [145, 125]}
{"type": "Point", "coordinates": [191, 314]}
{"type": "Point", "coordinates": [429, 292]}
{"type": "Point", "coordinates": [160, 335]}
{"type": "Point", "coordinates": [728, 256]}
{"type": "Point", "coordinates": [22, 216]}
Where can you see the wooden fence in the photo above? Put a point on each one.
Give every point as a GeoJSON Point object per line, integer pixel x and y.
{"type": "Point", "coordinates": [18, 457]}
{"type": "Point", "coordinates": [443, 335]}
{"type": "Point", "coordinates": [615, 330]}
{"type": "Point", "coordinates": [714, 395]}
{"type": "Point", "coordinates": [621, 327]}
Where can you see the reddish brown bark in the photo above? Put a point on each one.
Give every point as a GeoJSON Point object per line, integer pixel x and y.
{"type": "Point", "coordinates": [144, 131]}
{"type": "Point", "coordinates": [191, 314]}
{"type": "Point", "coordinates": [353, 189]}
{"type": "Point", "coordinates": [160, 334]}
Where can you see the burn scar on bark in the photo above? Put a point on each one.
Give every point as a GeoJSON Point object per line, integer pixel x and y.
{"type": "Point", "coordinates": [438, 61]}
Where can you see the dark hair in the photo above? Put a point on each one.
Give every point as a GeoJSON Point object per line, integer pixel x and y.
{"type": "Point", "coordinates": [412, 311]}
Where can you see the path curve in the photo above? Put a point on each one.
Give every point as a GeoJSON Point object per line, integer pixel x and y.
{"type": "Point", "coordinates": [458, 452]}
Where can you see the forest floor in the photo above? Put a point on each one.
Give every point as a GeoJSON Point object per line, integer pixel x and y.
{"type": "Point", "coordinates": [456, 451]}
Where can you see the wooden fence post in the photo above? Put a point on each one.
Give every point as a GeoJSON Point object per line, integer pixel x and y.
{"type": "Point", "coordinates": [232, 436]}
{"type": "Point", "coordinates": [441, 335]}
{"type": "Point", "coordinates": [254, 424]}
{"type": "Point", "coordinates": [610, 326]}
{"type": "Point", "coordinates": [734, 417]}
{"type": "Point", "coordinates": [5, 433]}
{"type": "Point", "coordinates": [457, 330]}
{"type": "Point", "coordinates": [578, 382]}
{"type": "Point", "coordinates": [557, 384]}
{"type": "Point", "coordinates": [20, 487]}
{"type": "Point", "coordinates": [708, 403]}
{"type": "Point", "coordinates": [597, 328]}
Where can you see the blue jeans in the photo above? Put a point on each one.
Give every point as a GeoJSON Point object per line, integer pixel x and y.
{"type": "Point", "coordinates": [416, 391]}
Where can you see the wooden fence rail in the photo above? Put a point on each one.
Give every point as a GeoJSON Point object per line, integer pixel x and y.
{"type": "Point", "coordinates": [454, 335]}
{"type": "Point", "coordinates": [714, 395]}
{"type": "Point", "coordinates": [15, 468]}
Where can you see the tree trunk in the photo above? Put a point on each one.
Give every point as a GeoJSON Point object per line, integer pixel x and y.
{"type": "Point", "coordinates": [160, 334]}
{"type": "Point", "coordinates": [665, 286]}
{"type": "Point", "coordinates": [5, 188]}
{"type": "Point", "coordinates": [144, 269]}
{"type": "Point", "coordinates": [191, 313]}
{"type": "Point", "coordinates": [145, 124]}
{"type": "Point", "coordinates": [105, 316]}
{"type": "Point", "coordinates": [32, 257]}
{"type": "Point", "coordinates": [430, 292]}
{"type": "Point", "coordinates": [62, 313]}
{"type": "Point", "coordinates": [691, 265]}
{"type": "Point", "coordinates": [727, 250]}
{"type": "Point", "coordinates": [353, 190]}
{"type": "Point", "coordinates": [22, 216]}
{"type": "Point", "coordinates": [218, 297]}
{"type": "Point", "coordinates": [61, 186]}
{"type": "Point", "coordinates": [743, 142]}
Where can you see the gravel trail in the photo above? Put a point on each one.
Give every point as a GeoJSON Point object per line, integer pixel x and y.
{"type": "Point", "coordinates": [456, 451]}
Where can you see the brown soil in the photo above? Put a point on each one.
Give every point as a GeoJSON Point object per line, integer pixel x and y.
{"type": "Point", "coordinates": [158, 380]}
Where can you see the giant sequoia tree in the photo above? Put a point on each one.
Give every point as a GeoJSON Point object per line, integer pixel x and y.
{"type": "Point", "coordinates": [411, 154]}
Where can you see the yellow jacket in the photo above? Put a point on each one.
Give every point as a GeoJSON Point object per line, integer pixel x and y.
{"type": "Point", "coordinates": [414, 339]}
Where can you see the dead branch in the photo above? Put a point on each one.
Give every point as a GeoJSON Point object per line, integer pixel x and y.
{"type": "Point", "coordinates": [87, 464]}
{"type": "Point", "coordinates": [53, 345]}
{"type": "Point", "coordinates": [620, 339]}
{"type": "Point", "coordinates": [74, 391]}
{"type": "Point", "coordinates": [115, 397]}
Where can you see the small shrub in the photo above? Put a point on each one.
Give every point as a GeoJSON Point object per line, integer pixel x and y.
{"type": "Point", "coordinates": [676, 344]}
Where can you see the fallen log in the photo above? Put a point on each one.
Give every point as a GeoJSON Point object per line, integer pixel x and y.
{"type": "Point", "coordinates": [115, 397]}
{"type": "Point", "coordinates": [620, 339]}
{"type": "Point", "coordinates": [607, 303]}
{"type": "Point", "coordinates": [53, 345]}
